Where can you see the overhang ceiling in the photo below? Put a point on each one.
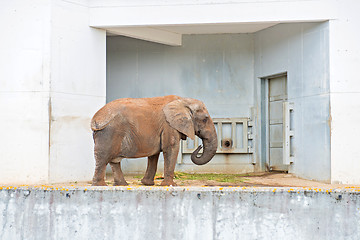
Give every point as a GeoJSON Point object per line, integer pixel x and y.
{"type": "Point", "coordinates": [171, 34]}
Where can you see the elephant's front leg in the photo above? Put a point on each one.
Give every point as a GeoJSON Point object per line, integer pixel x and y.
{"type": "Point", "coordinates": [148, 179]}
{"type": "Point", "coordinates": [170, 157]}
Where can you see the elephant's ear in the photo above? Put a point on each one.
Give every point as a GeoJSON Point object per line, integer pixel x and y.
{"type": "Point", "coordinates": [179, 117]}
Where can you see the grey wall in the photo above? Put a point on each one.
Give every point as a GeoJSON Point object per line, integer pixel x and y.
{"type": "Point", "coordinates": [217, 69]}
{"type": "Point", "coordinates": [301, 50]}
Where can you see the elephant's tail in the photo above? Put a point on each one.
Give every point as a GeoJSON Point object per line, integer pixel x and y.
{"type": "Point", "coordinates": [97, 126]}
{"type": "Point", "coordinates": [103, 117]}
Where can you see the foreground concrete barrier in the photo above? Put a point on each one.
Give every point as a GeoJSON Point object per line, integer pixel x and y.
{"type": "Point", "coordinates": [178, 213]}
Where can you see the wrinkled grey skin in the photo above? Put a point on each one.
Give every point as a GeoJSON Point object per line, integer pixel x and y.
{"type": "Point", "coordinates": [144, 127]}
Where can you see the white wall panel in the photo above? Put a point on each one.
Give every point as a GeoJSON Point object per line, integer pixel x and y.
{"type": "Point", "coordinates": [24, 86]}
{"type": "Point", "coordinates": [77, 91]}
{"type": "Point", "coordinates": [25, 46]}
{"type": "Point", "coordinates": [126, 13]}
{"type": "Point", "coordinates": [25, 137]}
{"type": "Point", "coordinates": [345, 130]}
{"type": "Point", "coordinates": [52, 80]}
{"type": "Point", "coordinates": [78, 52]}
{"type": "Point", "coordinates": [345, 93]}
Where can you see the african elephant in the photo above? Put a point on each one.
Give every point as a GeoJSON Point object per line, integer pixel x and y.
{"type": "Point", "coordinates": [144, 127]}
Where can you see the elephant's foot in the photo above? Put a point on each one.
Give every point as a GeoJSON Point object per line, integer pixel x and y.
{"type": "Point", "coordinates": [99, 183]}
{"type": "Point", "coordinates": [166, 182]}
{"type": "Point", "coordinates": [147, 182]}
{"type": "Point", "coordinates": [121, 183]}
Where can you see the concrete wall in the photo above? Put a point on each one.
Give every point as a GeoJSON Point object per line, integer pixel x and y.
{"type": "Point", "coordinates": [78, 68]}
{"type": "Point", "coordinates": [345, 93]}
{"type": "Point", "coordinates": [53, 75]}
{"type": "Point", "coordinates": [24, 90]}
{"type": "Point", "coordinates": [179, 213]}
{"type": "Point", "coordinates": [301, 50]}
{"type": "Point", "coordinates": [217, 69]}
{"type": "Point", "coordinates": [52, 71]}
{"type": "Point", "coordinates": [167, 12]}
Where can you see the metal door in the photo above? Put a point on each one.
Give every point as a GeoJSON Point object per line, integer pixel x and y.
{"type": "Point", "coordinates": [277, 93]}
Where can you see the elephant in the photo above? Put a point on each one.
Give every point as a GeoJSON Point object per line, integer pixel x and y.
{"type": "Point", "coordinates": [144, 127]}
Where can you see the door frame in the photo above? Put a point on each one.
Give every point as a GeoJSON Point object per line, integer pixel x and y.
{"type": "Point", "coordinates": [265, 123]}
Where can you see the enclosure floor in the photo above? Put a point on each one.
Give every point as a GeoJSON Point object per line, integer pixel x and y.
{"type": "Point", "coordinates": [251, 180]}
{"type": "Point", "coordinates": [267, 179]}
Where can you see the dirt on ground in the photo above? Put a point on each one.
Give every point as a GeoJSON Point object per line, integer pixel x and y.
{"type": "Point", "coordinates": [266, 179]}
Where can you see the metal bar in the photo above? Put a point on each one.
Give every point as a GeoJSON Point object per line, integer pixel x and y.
{"type": "Point", "coordinates": [287, 132]}
{"type": "Point", "coordinates": [233, 134]}
{"type": "Point", "coordinates": [180, 156]}
{"type": "Point", "coordinates": [245, 136]}
{"type": "Point", "coordinates": [219, 135]}
{"type": "Point", "coordinates": [286, 144]}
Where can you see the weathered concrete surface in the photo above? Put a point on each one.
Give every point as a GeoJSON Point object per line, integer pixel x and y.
{"type": "Point", "coordinates": [178, 213]}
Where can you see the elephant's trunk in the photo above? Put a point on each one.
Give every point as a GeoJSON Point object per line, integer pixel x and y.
{"type": "Point", "coordinates": [210, 146]}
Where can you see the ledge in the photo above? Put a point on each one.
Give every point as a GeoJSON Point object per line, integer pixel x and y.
{"type": "Point", "coordinates": [137, 212]}
{"type": "Point", "coordinates": [348, 189]}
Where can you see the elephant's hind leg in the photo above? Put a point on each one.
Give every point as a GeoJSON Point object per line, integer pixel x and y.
{"type": "Point", "coordinates": [99, 175]}
{"type": "Point", "coordinates": [148, 179]}
{"type": "Point", "coordinates": [119, 179]}
{"type": "Point", "coordinates": [102, 156]}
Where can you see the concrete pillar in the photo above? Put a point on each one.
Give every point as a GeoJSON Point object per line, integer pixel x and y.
{"type": "Point", "coordinates": [52, 80]}
{"type": "Point", "coordinates": [345, 93]}
{"type": "Point", "coordinates": [77, 90]}
{"type": "Point", "coordinates": [24, 91]}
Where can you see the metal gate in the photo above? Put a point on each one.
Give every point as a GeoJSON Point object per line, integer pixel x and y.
{"type": "Point", "coordinates": [235, 135]}
{"type": "Point", "coordinates": [279, 124]}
